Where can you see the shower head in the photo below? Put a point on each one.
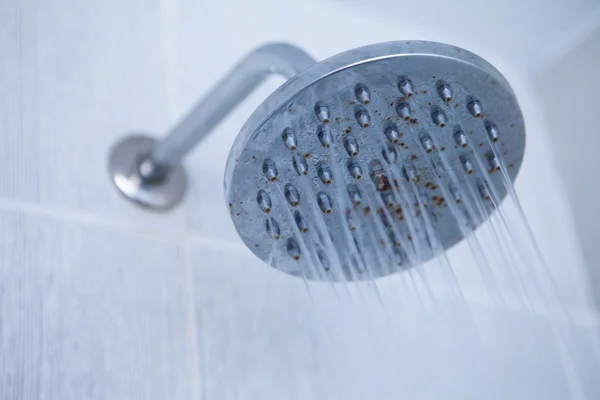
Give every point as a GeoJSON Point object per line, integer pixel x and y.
{"type": "Point", "coordinates": [364, 164]}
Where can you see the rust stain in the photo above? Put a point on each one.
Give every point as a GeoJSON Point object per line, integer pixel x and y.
{"type": "Point", "coordinates": [349, 129]}
{"type": "Point", "coordinates": [307, 154]}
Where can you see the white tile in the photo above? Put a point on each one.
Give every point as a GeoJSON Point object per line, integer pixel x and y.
{"type": "Point", "coordinates": [572, 128]}
{"type": "Point", "coordinates": [89, 313]}
{"type": "Point", "coordinates": [76, 77]}
{"type": "Point", "coordinates": [261, 337]}
{"type": "Point", "coordinates": [19, 174]}
{"type": "Point", "coordinates": [539, 31]}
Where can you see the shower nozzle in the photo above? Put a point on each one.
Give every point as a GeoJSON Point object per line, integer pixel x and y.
{"type": "Point", "coordinates": [359, 166]}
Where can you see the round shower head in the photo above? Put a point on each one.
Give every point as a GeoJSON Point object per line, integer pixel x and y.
{"type": "Point", "coordinates": [374, 160]}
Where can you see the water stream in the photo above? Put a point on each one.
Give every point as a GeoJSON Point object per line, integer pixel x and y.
{"type": "Point", "coordinates": [395, 272]}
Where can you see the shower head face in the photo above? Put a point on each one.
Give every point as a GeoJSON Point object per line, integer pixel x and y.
{"type": "Point", "coordinates": [374, 160]}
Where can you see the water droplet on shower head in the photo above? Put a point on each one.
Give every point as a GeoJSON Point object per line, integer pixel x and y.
{"type": "Point", "coordinates": [300, 165]}
{"type": "Point", "coordinates": [467, 165]}
{"type": "Point", "coordinates": [324, 135]}
{"type": "Point", "coordinates": [403, 110]}
{"type": "Point", "coordinates": [427, 143]}
{"type": "Point", "coordinates": [273, 228]}
{"type": "Point", "coordinates": [362, 93]}
{"type": "Point", "coordinates": [264, 201]}
{"type": "Point", "coordinates": [293, 249]}
{"type": "Point", "coordinates": [325, 174]}
{"type": "Point", "coordinates": [492, 131]}
{"type": "Point", "coordinates": [300, 221]}
{"type": "Point", "coordinates": [406, 87]}
{"type": "Point", "coordinates": [351, 145]}
{"type": "Point", "coordinates": [322, 112]}
{"type": "Point", "coordinates": [292, 195]}
{"type": "Point", "coordinates": [355, 171]}
{"type": "Point", "coordinates": [461, 138]}
{"type": "Point", "coordinates": [392, 134]}
{"type": "Point", "coordinates": [354, 194]}
{"type": "Point", "coordinates": [475, 108]}
{"type": "Point", "coordinates": [270, 170]}
{"type": "Point", "coordinates": [362, 116]}
{"type": "Point", "coordinates": [439, 117]}
{"type": "Point", "coordinates": [325, 203]}
{"type": "Point", "coordinates": [445, 91]}
{"type": "Point", "coordinates": [289, 138]}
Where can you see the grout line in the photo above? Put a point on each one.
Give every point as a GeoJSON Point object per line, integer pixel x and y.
{"type": "Point", "coordinates": [143, 230]}
{"type": "Point", "coordinates": [82, 218]}
{"type": "Point", "coordinates": [192, 322]}
{"type": "Point", "coordinates": [168, 41]}
{"type": "Point", "coordinates": [584, 317]}
{"type": "Point", "coordinates": [218, 244]}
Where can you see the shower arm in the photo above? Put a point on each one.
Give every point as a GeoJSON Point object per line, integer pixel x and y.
{"type": "Point", "coordinates": [274, 58]}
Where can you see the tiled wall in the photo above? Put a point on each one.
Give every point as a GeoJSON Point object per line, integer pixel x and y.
{"type": "Point", "coordinates": [574, 127]}
{"type": "Point", "coordinates": [101, 300]}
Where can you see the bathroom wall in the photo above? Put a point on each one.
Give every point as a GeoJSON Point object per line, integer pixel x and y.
{"type": "Point", "coordinates": [102, 300]}
{"type": "Point", "coordinates": [574, 127]}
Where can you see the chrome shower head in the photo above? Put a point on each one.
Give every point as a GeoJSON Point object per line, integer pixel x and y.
{"type": "Point", "coordinates": [358, 166]}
